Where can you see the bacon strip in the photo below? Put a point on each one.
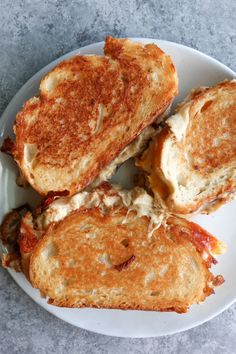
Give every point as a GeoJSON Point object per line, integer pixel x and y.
{"type": "Point", "coordinates": [51, 196]}
{"type": "Point", "coordinates": [9, 233]}
{"type": "Point", "coordinates": [9, 228]}
{"type": "Point", "coordinates": [8, 146]}
{"type": "Point", "coordinates": [27, 239]}
{"type": "Point", "coordinates": [218, 280]}
{"type": "Point", "coordinates": [125, 264]}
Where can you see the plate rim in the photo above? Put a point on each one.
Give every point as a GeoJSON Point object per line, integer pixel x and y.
{"type": "Point", "coordinates": [3, 122]}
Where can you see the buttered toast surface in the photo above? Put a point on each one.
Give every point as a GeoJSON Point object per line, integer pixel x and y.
{"type": "Point", "coordinates": [191, 164]}
{"type": "Point", "coordinates": [113, 249]}
{"type": "Point", "coordinates": [88, 110]}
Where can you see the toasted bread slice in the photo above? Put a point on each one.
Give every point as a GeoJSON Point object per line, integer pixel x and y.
{"type": "Point", "coordinates": [89, 109]}
{"type": "Point", "coordinates": [191, 164]}
{"type": "Point", "coordinates": [113, 249]}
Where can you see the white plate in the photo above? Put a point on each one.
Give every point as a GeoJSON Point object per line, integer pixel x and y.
{"type": "Point", "coordinates": [194, 69]}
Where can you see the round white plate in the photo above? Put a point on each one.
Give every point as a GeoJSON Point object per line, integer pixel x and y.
{"type": "Point", "coordinates": [194, 69]}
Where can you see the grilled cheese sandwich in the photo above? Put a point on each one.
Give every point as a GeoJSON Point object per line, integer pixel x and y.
{"type": "Point", "coordinates": [89, 110]}
{"type": "Point", "coordinates": [191, 164]}
{"type": "Point", "coordinates": [110, 248]}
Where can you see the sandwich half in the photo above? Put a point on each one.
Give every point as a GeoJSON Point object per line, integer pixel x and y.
{"type": "Point", "coordinates": [89, 111]}
{"type": "Point", "coordinates": [115, 249]}
{"type": "Point", "coordinates": [191, 164]}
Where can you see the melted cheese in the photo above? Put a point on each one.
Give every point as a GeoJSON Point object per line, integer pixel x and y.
{"type": "Point", "coordinates": [144, 205]}
{"type": "Point", "coordinates": [134, 200]}
{"type": "Point", "coordinates": [129, 151]}
{"type": "Point", "coordinates": [178, 123]}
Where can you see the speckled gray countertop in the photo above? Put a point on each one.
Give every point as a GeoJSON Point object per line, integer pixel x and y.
{"type": "Point", "coordinates": [32, 34]}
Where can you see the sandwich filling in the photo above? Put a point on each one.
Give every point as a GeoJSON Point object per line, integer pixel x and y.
{"type": "Point", "coordinates": [132, 150]}
{"type": "Point", "coordinates": [133, 200]}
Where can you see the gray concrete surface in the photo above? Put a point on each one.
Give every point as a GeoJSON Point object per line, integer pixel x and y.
{"type": "Point", "coordinates": [33, 33]}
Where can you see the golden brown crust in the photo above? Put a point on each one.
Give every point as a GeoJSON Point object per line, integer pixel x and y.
{"type": "Point", "coordinates": [177, 308]}
{"type": "Point", "coordinates": [216, 146]}
{"type": "Point", "coordinates": [89, 106]}
{"type": "Point", "coordinates": [167, 271]}
{"type": "Point", "coordinates": [206, 151]}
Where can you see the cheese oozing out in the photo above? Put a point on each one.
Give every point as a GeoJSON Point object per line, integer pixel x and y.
{"type": "Point", "coordinates": [137, 200]}
{"type": "Point", "coordinates": [129, 151]}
